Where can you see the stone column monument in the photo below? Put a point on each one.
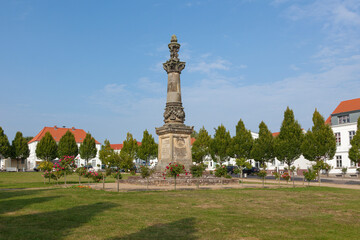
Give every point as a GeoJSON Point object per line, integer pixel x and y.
{"type": "Point", "coordinates": [174, 135]}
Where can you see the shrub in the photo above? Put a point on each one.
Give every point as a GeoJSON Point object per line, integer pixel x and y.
{"type": "Point", "coordinates": [310, 175]}
{"type": "Point", "coordinates": [220, 171]}
{"type": "Point", "coordinates": [286, 176]}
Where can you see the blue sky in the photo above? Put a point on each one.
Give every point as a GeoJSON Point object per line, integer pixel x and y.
{"type": "Point", "coordinates": [97, 65]}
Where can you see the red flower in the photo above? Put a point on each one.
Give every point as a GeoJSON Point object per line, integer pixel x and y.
{"type": "Point", "coordinates": [178, 175]}
{"type": "Point", "coordinates": [167, 167]}
{"type": "Point", "coordinates": [185, 173]}
{"type": "Point", "coordinates": [164, 178]}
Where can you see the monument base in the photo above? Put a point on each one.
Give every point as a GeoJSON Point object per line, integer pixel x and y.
{"type": "Point", "coordinates": [174, 145]}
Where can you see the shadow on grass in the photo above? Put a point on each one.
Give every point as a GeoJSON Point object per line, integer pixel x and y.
{"type": "Point", "coordinates": [4, 194]}
{"type": "Point", "coordinates": [50, 225]}
{"type": "Point", "coordinates": [182, 229]}
{"type": "Point", "coordinates": [17, 204]}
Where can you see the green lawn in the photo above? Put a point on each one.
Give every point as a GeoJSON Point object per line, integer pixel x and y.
{"type": "Point", "coordinates": [68, 213]}
{"type": "Point", "coordinates": [35, 180]}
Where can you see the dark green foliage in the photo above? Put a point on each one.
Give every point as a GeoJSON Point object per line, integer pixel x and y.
{"type": "Point", "coordinates": [242, 142]}
{"type": "Point", "coordinates": [88, 149]}
{"type": "Point", "coordinates": [287, 144]}
{"type": "Point", "coordinates": [46, 149]}
{"type": "Point", "coordinates": [106, 153]}
{"type": "Point", "coordinates": [28, 138]}
{"type": "Point", "coordinates": [5, 149]}
{"type": "Point", "coordinates": [220, 145]}
{"type": "Point", "coordinates": [220, 171]}
{"type": "Point", "coordinates": [263, 148]}
{"type": "Point", "coordinates": [201, 147]}
{"type": "Point", "coordinates": [19, 147]}
{"type": "Point", "coordinates": [128, 152]}
{"type": "Point", "coordinates": [148, 149]}
{"type": "Point", "coordinates": [194, 134]}
{"type": "Point", "coordinates": [146, 171]}
{"type": "Point", "coordinates": [354, 152]}
{"type": "Point", "coordinates": [319, 143]}
{"type": "Point", "coordinates": [67, 145]}
{"type": "Point", "coordinates": [197, 170]}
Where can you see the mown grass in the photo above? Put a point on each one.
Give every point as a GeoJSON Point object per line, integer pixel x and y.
{"type": "Point", "coordinates": [68, 213]}
{"type": "Point", "coordinates": [35, 180]}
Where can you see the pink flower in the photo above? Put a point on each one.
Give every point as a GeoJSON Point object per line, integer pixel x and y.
{"type": "Point", "coordinates": [164, 178]}
{"type": "Point", "coordinates": [177, 175]}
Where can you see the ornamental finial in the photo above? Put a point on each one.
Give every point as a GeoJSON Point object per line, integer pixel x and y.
{"type": "Point", "coordinates": [173, 38]}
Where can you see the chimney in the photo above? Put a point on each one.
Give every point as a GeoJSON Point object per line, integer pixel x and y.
{"type": "Point", "coordinates": [73, 128]}
{"type": "Point", "coordinates": [55, 127]}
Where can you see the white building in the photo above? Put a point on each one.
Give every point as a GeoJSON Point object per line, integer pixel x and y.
{"type": "Point", "coordinates": [57, 133]}
{"type": "Point", "coordinates": [343, 121]}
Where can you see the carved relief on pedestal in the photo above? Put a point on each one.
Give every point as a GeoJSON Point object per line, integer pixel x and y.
{"type": "Point", "coordinates": [165, 148]}
{"type": "Point", "coordinates": [179, 147]}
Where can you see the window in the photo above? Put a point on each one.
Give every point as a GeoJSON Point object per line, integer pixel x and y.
{"type": "Point", "coordinates": [338, 139]}
{"type": "Point", "coordinates": [338, 161]}
{"type": "Point", "coordinates": [344, 119]}
{"type": "Point", "coordinates": [351, 135]}
{"type": "Point", "coordinates": [93, 163]}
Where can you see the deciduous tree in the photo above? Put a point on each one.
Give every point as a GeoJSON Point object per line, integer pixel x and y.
{"type": "Point", "coordinates": [220, 145]}
{"type": "Point", "coordinates": [67, 145]}
{"type": "Point", "coordinates": [201, 147]}
{"type": "Point", "coordinates": [242, 142]}
{"type": "Point", "coordinates": [46, 149]}
{"type": "Point", "coordinates": [5, 148]}
{"type": "Point", "coordinates": [19, 148]}
{"type": "Point", "coordinates": [148, 149]}
{"type": "Point", "coordinates": [88, 148]}
{"type": "Point", "coordinates": [263, 148]}
{"type": "Point", "coordinates": [129, 152]}
{"type": "Point", "coordinates": [287, 144]}
{"type": "Point", "coordinates": [354, 152]}
{"type": "Point", "coordinates": [319, 144]}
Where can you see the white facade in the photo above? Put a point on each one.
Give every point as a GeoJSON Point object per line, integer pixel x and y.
{"type": "Point", "coordinates": [343, 133]}
{"type": "Point", "coordinates": [32, 160]}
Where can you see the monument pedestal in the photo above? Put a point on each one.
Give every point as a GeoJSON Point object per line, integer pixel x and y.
{"type": "Point", "coordinates": [174, 145]}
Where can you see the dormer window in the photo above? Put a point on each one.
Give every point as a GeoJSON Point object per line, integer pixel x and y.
{"type": "Point", "coordinates": [344, 119]}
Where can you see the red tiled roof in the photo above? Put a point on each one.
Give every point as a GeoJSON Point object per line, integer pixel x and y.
{"type": "Point", "coordinates": [192, 140]}
{"type": "Point", "coordinates": [57, 133]}
{"type": "Point", "coordinates": [116, 146]}
{"type": "Point", "coordinates": [275, 134]}
{"type": "Point", "coordinates": [328, 120]}
{"type": "Point", "coordinates": [348, 106]}
{"type": "Point", "coordinates": [119, 146]}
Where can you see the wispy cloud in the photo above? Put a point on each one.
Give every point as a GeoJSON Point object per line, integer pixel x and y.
{"type": "Point", "coordinates": [210, 66]}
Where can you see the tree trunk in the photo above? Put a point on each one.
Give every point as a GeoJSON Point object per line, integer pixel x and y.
{"type": "Point", "coordinates": [263, 182]}
{"type": "Point", "coordinates": [147, 183]}
{"type": "Point", "coordinates": [118, 189]}
{"type": "Point", "coordinates": [103, 182]}
{"type": "Point", "coordinates": [175, 182]}
{"type": "Point", "coordinates": [65, 177]}
{"type": "Point", "coordinates": [319, 177]}
{"type": "Point", "coordinates": [44, 180]}
{"type": "Point", "coordinates": [242, 178]}
{"type": "Point", "coordinates": [293, 180]}
{"type": "Point", "coordinates": [197, 183]}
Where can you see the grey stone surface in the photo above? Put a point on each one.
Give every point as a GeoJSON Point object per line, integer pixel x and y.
{"type": "Point", "coordinates": [174, 135]}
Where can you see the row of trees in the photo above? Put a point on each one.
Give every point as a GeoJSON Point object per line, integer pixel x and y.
{"type": "Point", "coordinates": [47, 149]}
{"type": "Point", "coordinates": [130, 151]}
{"type": "Point", "coordinates": [317, 144]}
{"type": "Point", "coordinates": [17, 150]}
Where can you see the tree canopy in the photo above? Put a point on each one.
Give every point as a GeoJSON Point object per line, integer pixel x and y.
{"type": "Point", "coordinates": [319, 143]}
{"type": "Point", "coordinates": [88, 149]}
{"type": "Point", "coordinates": [287, 144]}
{"type": "Point", "coordinates": [129, 151]}
{"type": "Point", "coordinates": [148, 149]}
{"type": "Point", "coordinates": [220, 145]}
{"type": "Point", "coordinates": [67, 145]}
{"type": "Point", "coordinates": [263, 148]}
{"type": "Point", "coordinates": [201, 147]}
{"type": "Point", "coordinates": [105, 153]}
{"type": "Point", "coordinates": [20, 148]}
{"type": "Point", "coordinates": [354, 152]}
{"type": "Point", "coordinates": [242, 142]}
{"type": "Point", "coordinates": [5, 148]}
{"type": "Point", "coordinates": [46, 149]}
